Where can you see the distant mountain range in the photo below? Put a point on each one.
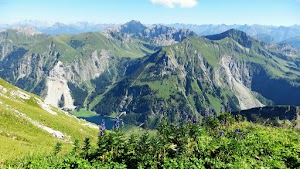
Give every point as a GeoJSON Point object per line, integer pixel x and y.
{"type": "Point", "coordinates": [59, 28]}
{"type": "Point", "coordinates": [148, 71]}
{"type": "Point", "coordinates": [264, 33]}
{"type": "Point", "coordinates": [261, 32]}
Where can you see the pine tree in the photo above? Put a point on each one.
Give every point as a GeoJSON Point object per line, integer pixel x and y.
{"type": "Point", "coordinates": [61, 102]}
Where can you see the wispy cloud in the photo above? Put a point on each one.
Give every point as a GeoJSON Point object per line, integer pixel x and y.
{"type": "Point", "coordinates": [173, 3]}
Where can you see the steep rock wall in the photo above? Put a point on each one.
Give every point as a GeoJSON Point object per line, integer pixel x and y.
{"type": "Point", "coordinates": [56, 86]}
{"type": "Point", "coordinates": [238, 78]}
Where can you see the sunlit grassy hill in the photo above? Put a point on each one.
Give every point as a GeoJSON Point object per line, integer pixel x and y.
{"type": "Point", "coordinates": [29, 126]}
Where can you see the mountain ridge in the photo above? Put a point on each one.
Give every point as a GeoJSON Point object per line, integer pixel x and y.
{"type": "Point", "coordinates": [70, 59]}
{"type": "Point", "coordinates": [266, 33]}
{"type": "Point", "coordinates": [158, 35]}
{"type": "Point", "coordinates": [160, 66]}
{"type": "Point", "coordinates": [153, 87]}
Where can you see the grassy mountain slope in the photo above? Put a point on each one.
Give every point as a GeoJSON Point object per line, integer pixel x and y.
{"type": "Point", "coordinates": [105, 72]}
{"type": "Point", "coordinates": [16, 38]}
{"type": "Point", "coordinates": [174, 80]}
{"type": "Point", "coordinates": [274, 75]}
{"type": "Point", "coordinates": [28, 125]}
{"type": "Point", "coordinates": [86, 43]}
{"type": "Point", "coordinates": [196, 74]}
{"type": "Point", "coordinates": [28, 61]}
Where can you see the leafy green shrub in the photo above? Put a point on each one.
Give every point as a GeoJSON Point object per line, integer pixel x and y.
{"type": "Point", "coordinates": [214, 142]}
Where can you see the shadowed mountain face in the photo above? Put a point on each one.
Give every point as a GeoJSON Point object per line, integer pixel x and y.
{"type": "Point", "coordinates": [239, 36]}
{"type": "Point", "coordinates": [150, 71]}
{"type": "Point", "coordinates": [273, 115]}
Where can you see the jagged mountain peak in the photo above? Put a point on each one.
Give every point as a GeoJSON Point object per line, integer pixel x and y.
{"type": "Point", "coordinates": [162, 28]}
{"type": "Point", "coordinates": [133, 27]}
{"type": "Point", "coordinates": [166, 29]}
{"type": "Point", "coordinates": [157, 35]}
{"type": "Point", "coordinates": [134, 22]}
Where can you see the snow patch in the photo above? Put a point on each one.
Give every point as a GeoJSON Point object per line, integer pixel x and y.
{"type": "Point", "coordinates": [28, 31]}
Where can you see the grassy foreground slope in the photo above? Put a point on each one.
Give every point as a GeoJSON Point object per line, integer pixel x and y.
{"type": "Point", "coordinates": [28, 126]}
{"type": "Point", "coordinates": [223, 141]}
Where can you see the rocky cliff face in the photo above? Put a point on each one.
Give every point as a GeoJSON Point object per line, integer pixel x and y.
{"type": "Point", "coordinates": [158, 35]}
{"type": "Point", "coordinates": [84, 69]}
{"type": "Point", "coordinates": [57, 87]}
{"type": "Point", "coordinates": [238, 78]}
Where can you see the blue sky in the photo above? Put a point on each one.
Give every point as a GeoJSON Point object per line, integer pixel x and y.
{"type": "Point", "coordinates": [265, 12]}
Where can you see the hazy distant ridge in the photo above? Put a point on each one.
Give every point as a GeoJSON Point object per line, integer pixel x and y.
{"type": "Point", "coordinates": [267, 33]}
